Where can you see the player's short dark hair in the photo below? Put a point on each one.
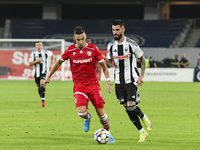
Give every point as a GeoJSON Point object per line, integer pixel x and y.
{"type": "Point", "coordinates": [79, 30]}
{"type": "Point", "coordinates": [118, 22]}
{"type": "Point", "coordinates": [38, 42]}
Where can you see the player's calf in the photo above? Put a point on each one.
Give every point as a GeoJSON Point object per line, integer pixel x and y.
{"type": "Point", "coordinates": [105, 121]}
{"type": "Point", "coordinates": [86, 123]}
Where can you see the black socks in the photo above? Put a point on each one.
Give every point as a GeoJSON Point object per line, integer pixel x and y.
{"type": "Point", "coordinates": [133, 113]}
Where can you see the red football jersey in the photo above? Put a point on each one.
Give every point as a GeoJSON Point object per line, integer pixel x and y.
{"type": "Point", "coordinates": [83, 62]}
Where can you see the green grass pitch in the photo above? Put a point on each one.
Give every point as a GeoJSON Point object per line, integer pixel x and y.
{"type": "Point", "coordinates": [173, 108]}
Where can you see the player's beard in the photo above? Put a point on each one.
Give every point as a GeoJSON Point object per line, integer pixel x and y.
{"type": "Point", "coordinates": [118, 38]}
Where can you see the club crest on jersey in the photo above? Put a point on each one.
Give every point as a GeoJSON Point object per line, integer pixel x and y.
{"type": "Point", "coordinates": [122, 57]}
{"type": "Point", "coordinates": [89, 53]}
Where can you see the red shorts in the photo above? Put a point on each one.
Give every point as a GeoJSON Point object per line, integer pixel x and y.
{"type": "Point", "coordinates": [83, 92]}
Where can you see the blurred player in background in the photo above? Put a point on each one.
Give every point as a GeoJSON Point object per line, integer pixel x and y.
{"type": "Point", "coordinates": [184, 63]}
{"type": "Point", "coordinates": [175, 62]}
{"type": "Point", "coordinates": [198, 62]}
{"type": "Point", "coordinates": [39, 59]}
{"type": "Point", "coordinates": [152, 63]}
{"type": "Point", "coordinates": [125, 53]}
{"type": "Point", "coordinates": [88, 40]}
{"type": "Point", "coordinates": [83, 58]}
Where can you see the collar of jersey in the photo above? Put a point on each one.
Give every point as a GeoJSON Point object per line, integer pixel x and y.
{"type": "Point", "coordinates": [83, 48]}
{"type": "Point", "coordinates": [39, 52]}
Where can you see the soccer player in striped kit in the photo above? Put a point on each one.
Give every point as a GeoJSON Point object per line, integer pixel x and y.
{"type": "Point", "coordinates": [125, 52]}
{"type": "Point", "coordinates": [83, 57]}
{"type": "Point", "coordinates": [39, 59]}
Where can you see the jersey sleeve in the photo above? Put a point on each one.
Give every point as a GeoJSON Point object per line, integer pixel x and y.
{"type": "Point", "coordinates": [137, 51]}
{"type": "Point", "coordinates": [49, 53]}
{"type": "Point", "coordinates": [65, 55]}
{"type": "Point", "coordinates": [31, 57]}
{"type": "Point", "coordinates": [108, 56]}
{"type": "Point", "coordinates": [98, 55]}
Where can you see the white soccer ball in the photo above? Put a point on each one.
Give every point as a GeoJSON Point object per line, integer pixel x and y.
{"type": "Point", "coordinates": [101, 136]}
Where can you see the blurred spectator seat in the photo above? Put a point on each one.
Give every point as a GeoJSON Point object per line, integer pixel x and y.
{"type": "Point", "coordinates": [198, 44]}
{"type": "Point", "coordinates": [157, 33]}
{"type": "Point", "coordinates": [4, 70]}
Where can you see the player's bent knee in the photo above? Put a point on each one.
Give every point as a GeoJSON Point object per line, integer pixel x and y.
{"type": "Point", "coordinates": [41, 85]}
{"type": "Point", "coordinates": [83, 115]}
{"type": "Point", "coordinates": [42, 81]}
{"type": "Point", "coordinates": [130, 108]}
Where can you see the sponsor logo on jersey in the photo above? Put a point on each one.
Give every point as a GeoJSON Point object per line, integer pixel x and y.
{"type": "Point", "coordinates": [72, 49]}
{"type": "Point", "coordinates": [74, 53]}
{"type": "Point", "coordinates": [90, 48]}
{"type": "Point", "coordinates": [122, 57]}
{"type": "Point", "coordinates": [82, 61]}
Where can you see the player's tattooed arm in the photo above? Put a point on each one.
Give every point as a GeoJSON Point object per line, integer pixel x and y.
{"type": "Point", "coordinates": [108, 63]}
{"type": "Point", "coordinates": [143, 64]}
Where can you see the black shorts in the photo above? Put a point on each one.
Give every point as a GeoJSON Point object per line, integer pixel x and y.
{"type": "Point", "coordinates": [127, 92]}
{"type": "Point", "coordinates": [37, 79]}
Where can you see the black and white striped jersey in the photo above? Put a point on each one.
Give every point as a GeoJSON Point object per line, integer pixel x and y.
{"type": "Point", "coordinates": [43, 67]}
{"type": "Point", "coordinates": [125, 56]}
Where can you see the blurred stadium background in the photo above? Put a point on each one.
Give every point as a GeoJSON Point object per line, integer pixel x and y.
{"type": "Point", "coordinates": [161, 28]}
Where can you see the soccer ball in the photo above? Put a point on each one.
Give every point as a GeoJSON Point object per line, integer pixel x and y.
{"type": "Point", "coordinates": [101, 136]}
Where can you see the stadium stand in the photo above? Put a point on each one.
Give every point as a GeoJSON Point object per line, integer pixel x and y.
{"type": "Point", "coordinates": [157, 33]}
{"type": "Point", "coordinates": [198, 44]}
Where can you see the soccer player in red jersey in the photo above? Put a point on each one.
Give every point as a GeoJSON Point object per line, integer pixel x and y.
{"type": "Point", "coordinates": [83, 57]}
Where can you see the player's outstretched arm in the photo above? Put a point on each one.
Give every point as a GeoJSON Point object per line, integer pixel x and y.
{"type": "Point", "coordinates": [55, 67]}
{"type": "Point", "coordinates": [106, 73]}
{"type": "Point", "coordinates": [51, 63]}
{"type": "Point", "coordinates": [143, 63]}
